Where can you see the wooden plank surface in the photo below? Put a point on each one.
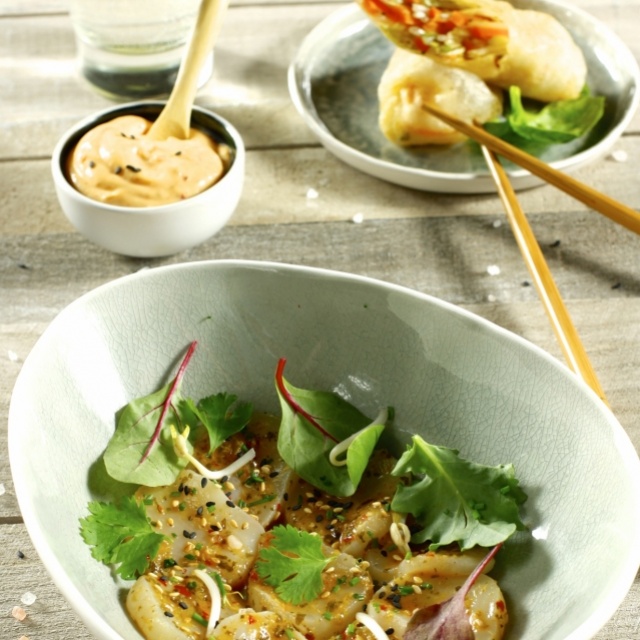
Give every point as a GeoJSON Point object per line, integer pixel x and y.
{"type": "Point", "coordinates": [298, 206]}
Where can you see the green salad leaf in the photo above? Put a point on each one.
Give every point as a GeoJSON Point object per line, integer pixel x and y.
{"type": "Point", "coordinates": [293, 563]}
{"type": "Point", "coordinates": [121, 535]}
{"type": "Point", "coordinates": [313, 423]}
{"type": "Point", "coordinates": [453, 500]}
{"type": "Point", "coordinates": [554, 123]}
{"type": "Point", "coordinates": [221, 415]}
{"type": "Point", "coordinates": [137, 424]}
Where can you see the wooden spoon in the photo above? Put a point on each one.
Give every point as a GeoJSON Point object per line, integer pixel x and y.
{"type": "Point", "coordinates": [175, 118]}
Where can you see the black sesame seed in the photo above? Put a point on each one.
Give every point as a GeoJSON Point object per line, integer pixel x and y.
{"type": "Point", "coordinates": [183, 605]}
{"type": "Point", "coordinates": [274, 474]}
{"type": "Point", "coordinates": [211, 504]}
{"type": "Point", "coordinates": [199, 511]}
{"type": "Point", "coordinates": [389, 631]}
{"type": "Point", "coordinates": [203, 482]}
{"type": "Point", "coordinates": [286, 496]}
{"type": "Point", "coordinates": [214, 527]}
{"type": "Point", "coordinates": [319, 518]}
{"type": "Point", "coordinates": [230, 504]}
{"type": "Point", "coordinates": [296, 507]}
{"type": "Point", "coordinates": [383, 553]}
{"type": "Point", "coordinates": [224, 479]}
{"type": "Point", "coordinates": [555, 244]}
{"type": "Point", "coordinates": [117, 171]}
{"type": "Point", "coordinates": [168, 614]}
{"type": "Point", "coordinates": [20, 555]}
{"type": "Point", "coordinates": [134, 169]}
{"type": "Point", "coordinates": [92, 164]}
{"type": "Point", "coordinates": [189, 534]}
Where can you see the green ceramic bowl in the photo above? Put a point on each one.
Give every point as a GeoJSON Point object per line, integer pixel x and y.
{"type": "Point", "coordinates": [456, 379]}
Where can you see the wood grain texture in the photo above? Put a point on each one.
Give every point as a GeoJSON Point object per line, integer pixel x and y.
{"type": "Point", "coordinates": [298, 206]}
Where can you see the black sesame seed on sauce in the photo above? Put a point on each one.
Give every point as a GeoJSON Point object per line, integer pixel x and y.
{"type": "Point", "coordinates": [230, 504]}
{"type": "Point", "coordinates": [189, 534]}
{"type": "Point", "coordinates": [203, 482]}
{"type": "Point", "coordinates": [134, 169]}
{"type": "Point", "coordinates": [168, 614]}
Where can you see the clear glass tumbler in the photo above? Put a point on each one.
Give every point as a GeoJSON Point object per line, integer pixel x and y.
{"type": "Point", "coordinates": [133, 48]}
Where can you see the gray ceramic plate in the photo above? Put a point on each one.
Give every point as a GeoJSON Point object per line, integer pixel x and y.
{"type": "Point", "coordinates": [333, 82]}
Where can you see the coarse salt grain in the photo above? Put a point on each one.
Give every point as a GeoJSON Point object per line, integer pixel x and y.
{"type": "Point", "coordinates": [18, 613]}
{"type": "Point", "coordinates": [312, 194]}
{"type": "Point", "coordinates": [13, 356]}
{"type": "Point", "coordinates": [496, 224]}
{"type": "Point", "coordinates": [358, 218]}
{"type": "Point", "coordinates": [493, 270]}
{"type": "Point", "coordinates": [28, 598]}
{"type": "Point", "coordinates": [619, 155]}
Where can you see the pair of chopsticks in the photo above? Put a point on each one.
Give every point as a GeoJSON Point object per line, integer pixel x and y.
{"type": "Point", "coordinates": [561, 322]}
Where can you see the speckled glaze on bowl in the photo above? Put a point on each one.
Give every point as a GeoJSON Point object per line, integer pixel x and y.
{"type": "Point", "coordinates": [455, 378]}
{"type": "Point", "coordinates": [333, 83]}
{"type": "Point", "coordinates": [157, 231]}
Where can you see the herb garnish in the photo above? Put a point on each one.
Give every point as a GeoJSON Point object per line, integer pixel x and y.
{"type": "Point", "coordinates": [121, 535]}
{"type": "Point", "coordinates": [453, 500]}
{"type": "Point", "coordinates": [293, 564]}
{"type": "Point", "coordinates": [312, 423]}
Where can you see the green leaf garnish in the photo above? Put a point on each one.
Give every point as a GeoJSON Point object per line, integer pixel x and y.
{"type": "Point", "coordinates": [293, 564]}
{"type": "Point", "coordinates": [454, 500]}
{"type": "Point", "coordinates": [555, 123]}
{"type": "Point", "coordinates": [141, 449]}
{"type": "Point", "coordinates": [313, 422]}
{"type": "Point", "coordinates": [121, 535]}
{"type": "Point", "coordinates": [222, 416]}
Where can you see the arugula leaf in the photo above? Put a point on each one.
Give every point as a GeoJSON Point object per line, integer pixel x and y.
{"type": "Point", "coordinates": [222, 416]}
{"type": "Point", "coordinates": [556, 123]}
{"type": "Point", "coordinates": [293, 564]}
{"type": "Point", "coordinates": [312, 423]}
{"type": "Point", "coordinates": [121, 535]}
{"type": "Point", "coordinates": [454, 500]}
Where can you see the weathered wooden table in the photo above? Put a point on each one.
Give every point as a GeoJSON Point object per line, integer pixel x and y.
{"type": "Point", "coordinates": [438, 244]}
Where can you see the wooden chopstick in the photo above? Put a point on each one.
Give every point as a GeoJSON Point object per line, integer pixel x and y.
{"type": "Point", "coordinates": [616, 211]}
{"type": "Point", "coordinates": [565, 331]}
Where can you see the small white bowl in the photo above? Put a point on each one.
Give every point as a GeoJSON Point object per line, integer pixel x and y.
{"type": "Point", "coordinates": [160, 230]}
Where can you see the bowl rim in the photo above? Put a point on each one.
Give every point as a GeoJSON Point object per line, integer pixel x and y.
{"type": "Point", "coordinates": [92, 618]}
{"type": "Point", "coordinates": [232, 138]}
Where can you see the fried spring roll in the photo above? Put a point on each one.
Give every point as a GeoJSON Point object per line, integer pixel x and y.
{"type": "Point", "coordinates": [411, 80]}
{"type": "Point", "coordinates": [503, 45]}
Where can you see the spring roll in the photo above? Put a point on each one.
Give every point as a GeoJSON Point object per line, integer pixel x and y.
{"type": "Point", "coordinates": [411, 80]}
{"type": "Point", "coordinates": [503, 45]}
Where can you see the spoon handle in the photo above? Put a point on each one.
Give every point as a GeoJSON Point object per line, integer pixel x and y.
{"type": "Point", "coordinates": [175, 118]}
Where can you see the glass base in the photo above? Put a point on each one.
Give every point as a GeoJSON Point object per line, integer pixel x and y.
{"type": "Point", "coordinates": [137, 81]}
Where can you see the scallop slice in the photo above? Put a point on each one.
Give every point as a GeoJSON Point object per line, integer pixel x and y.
{"type": "Point", "coordinates": [261, 484]}
{"type": "Point", "coordinates": [172, 607]}
{"type": "Point", "coordinates": [347, 586]}
{"type": "Point", "coordinates": [348, 524]}
{"type": "Point", "coordinates": [248, 624]}
{"type": "Point", "coordinates": [204, 527]}
{"type": "Point", "coordinates": [432, 578]}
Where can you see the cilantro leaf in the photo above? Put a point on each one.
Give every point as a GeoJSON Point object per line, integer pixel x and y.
{"type": "Point", "coordinates": [221, 416]}
{"type": "Point", "coordinates": [121, 535]}
{"type": "Point", "coordinates": [454, 500]}
{"type": "Point", "coordinates": [293, 564]}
